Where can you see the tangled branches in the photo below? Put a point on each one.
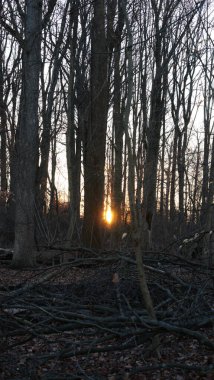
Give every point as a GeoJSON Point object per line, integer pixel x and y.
{"type": "Point", "coordinates": [74, 310]}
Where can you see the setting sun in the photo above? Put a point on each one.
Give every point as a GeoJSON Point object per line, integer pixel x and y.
{"type": "Point", "coordinates": [108, 215]}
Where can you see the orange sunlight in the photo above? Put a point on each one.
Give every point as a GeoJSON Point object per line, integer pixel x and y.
{"type": "Point", "coordinates": [108, 215]}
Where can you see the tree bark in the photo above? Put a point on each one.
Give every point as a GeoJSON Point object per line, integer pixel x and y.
{"type": "Point", "coordinates": [153, 139]}
{"type": "Point", "coordinates": [3, 125]}
{"type": "Point", "coordinates": [27, 149]}
{"type": "Point", "coordinates": [118, 127]}
{"type": "Point", "coordinates": [73, 141]}
{"type": "Point", "coordinates": [96, 133]}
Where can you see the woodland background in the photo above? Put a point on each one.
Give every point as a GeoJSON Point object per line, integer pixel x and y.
{"type": "Point", "coordinates": [116, 96]}
{"type": "Point", "coordinates": [125, 91]}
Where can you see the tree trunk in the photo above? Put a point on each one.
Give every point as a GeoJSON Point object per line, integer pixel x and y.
{"type": "Point", "coordinates": [27, 149]}
{"type": "Point", "coordinates": [73, 142]}
{"type": "Point", "coordinates": [118, 131]}
{"type": "Point", "coordinates": [96, 133]}
{"type": "Point", "coordinates": [150, 170]}
{"type": "Point", "coordinates": [208, 107]}
{"type": "Point", "coordinates": [53, 207]}
{"type": "Point", "coordinates": [181, 171]}
{"type": "Point", "coordinates": [173, 174]}
{"type": "Point", "coordinates": [153, 133]}
{"type": "Point", "coordinates": [3, 120]}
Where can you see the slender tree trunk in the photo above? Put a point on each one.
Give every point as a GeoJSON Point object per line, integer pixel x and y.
{"type": "Point", "coordinates": [196, 186]}
{"type": "Point", "coordinates": [150, 170]}
{"type": "Point", "coordinates": [118, 129]}
{"type": "Point", "coordinates": [164, 103]}
{"type": "Point", "coordinates": [13, 147]}
{"type": "Point", "coordinates": [205, 182]}
{"type": "Point", "coordinates": [73, 142]}
{"type": "Point", "coordinates": [53, 207]}
{"type": "Point", "coordinates": [153, 133]}
{"type": "Point", "coordinates": [173, 175]}
{"type": "Point", "coordinates": [168, 172]}
{"type": "Point", "coordinates": [208, 105]}
{"type": "Point", "coordinates": [180, 175]}
{"type": "Point", "coordinates": [211, 177]}
{"type": "Point", "coordinates": [208, 110]}
{"type": "Point", "coordinates": [124, 190]}
{"type": "Point", "coordinates": [3, 121]}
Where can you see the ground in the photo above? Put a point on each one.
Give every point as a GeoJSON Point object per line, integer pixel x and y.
{"type": "Point", "coordinates": [71, 321]}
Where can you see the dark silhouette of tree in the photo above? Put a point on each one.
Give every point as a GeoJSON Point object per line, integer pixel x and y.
{"type": "Point", "coordinates": [27, 146]}
{"type": "Point", "coordinates": [96, 130]}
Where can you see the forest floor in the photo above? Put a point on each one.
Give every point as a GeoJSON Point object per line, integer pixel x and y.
{"type": "Point", "coordinates": [72, 321]}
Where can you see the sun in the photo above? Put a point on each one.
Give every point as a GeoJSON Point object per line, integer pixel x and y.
{"type": "Point", "coordinates": [108, 215]}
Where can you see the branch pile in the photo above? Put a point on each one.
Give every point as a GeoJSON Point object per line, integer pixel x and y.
{"type": "Point", "coordinates": [74, 309]}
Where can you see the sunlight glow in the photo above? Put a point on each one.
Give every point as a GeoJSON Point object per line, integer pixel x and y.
{"type": "Point", "coordinates": [109, 215]}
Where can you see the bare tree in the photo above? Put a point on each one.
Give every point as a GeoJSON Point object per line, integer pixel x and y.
{"type": "Point", "coordinates": [163, 13]}
{"type": "Point", "coordinates": [48, 92]}
{"type": "Point", "coordinates": [118, 131]}
{"type": "Point", "coordinates": [208, 66]}
{"type": "Point", "coordinates": [3, 125]}
{"type": "Point", "coordinates": [136, 217]}
{"type": "Point", "coordinates": [27, 148]}
{"type": "Point", "coordinates": [96, 131]}
{"type": "Point", "coordinates": [73, 137]}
